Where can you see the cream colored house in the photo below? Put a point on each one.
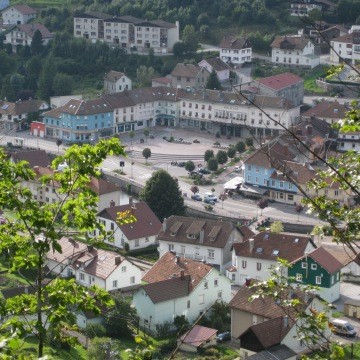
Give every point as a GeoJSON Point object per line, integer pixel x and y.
{"type": "Point", "coordinates": [18, 14]}
{"type": "Point", "coordinates": [115, 81]}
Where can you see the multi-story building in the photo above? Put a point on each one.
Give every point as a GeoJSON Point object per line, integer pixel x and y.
{"type": "Point", "coordinates": [236, 51]}
{"type": "Point", "coordinates": [346, 48]}
{"type": "Point", "coordinates": [80, 120]}
{"type": "Point", "coordinates": [302, 8]}
{"type": "Point", "coordinates": [127, 31]}
{"type": "Point", "coordinates": [115, 81]}
{"type": "Point", "coordinates": [18, 14]}
{"type": "Point", "coordinates": [294, 51]}
{"type": "Point", "coordinates": [349, 141]}
{"type": "Point", "coordinates": [189, 77]}
{"type": "Point", "coordinates": [23, 34]}
{"type": "Point", "coordinates": [221, 68]}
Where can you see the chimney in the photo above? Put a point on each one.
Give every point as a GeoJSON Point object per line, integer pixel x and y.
{"type": "Point", "coordinates": [285, 321]}
{"type": "Point", "coordinates": [177, 259]}
{"type": "Point", "coordinates": [309, 129]}
{"type": "Point", "coordinates": [202, 233]}
{"type": "Point", "coordinates": [251, 245]}
{"type": "Point", "coordinates": [112, 203]}
{"type": "Point", "coordinates": [164, 225]}
{"type": "Point", "coordinates": [182, 274]}
{"type": "Point", "coordinates": [90, 248]}
{"type": "Point", "coordinates": [117, 260]}
{"type": "Point", "coordinates": [247, 281]}
{"type": "Point", "coordinates": [131, 200]}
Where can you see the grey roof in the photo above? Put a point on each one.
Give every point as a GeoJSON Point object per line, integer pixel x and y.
{"type": "Point", "coordinates": [186, 70]}
{"type": "Point", "coordinates": [217, 64]}
{"type": "Point", "coordinates": [278, 352]}
{"type": "Point", "coordinates": [230, 42]}
{"type": "Point", "coordinates": [33, 157]}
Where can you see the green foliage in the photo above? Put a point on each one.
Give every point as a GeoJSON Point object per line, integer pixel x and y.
{"type": "Point", "coordinates": [52, 302]}
{"type": "Point", "coordinates": [63, 84]}
{"type": "Point", "coordinates": [190, 38]}
{"type": "Point", "coordinates": [208, 155]}
{"type": "Point", "coordinates": [95, 330]}
{"type": "Point", "coordinates": [277, 227]}
{"type": "Point", "coordinates": [163, 195]}
{"type": "Point", "coordinates": [189, 166]}
{"type": "Point", "coordinates": [146, 153]}
{"type": "Point", "coordinates": [102, 348]}
{"type": "Point", "coordinates": [221, 157]}
{"type": "Point", "coordinates": [213, 81]}
{"type": "Point", "coordinates": [240, 146]}
{"type": "Point", "coordinates": [36, 43]}
{"type": "Point", "coordinates": [249, 142]}
{"type": "Point", "coordinates": [163, 330]}
{"type": "Point", "coordinates": [144, 75]}
{"type": "Point", "coordinates": [231, 152]}
{"type": "Point", "coordinates": [212, 164]}
{"type": "Point", "coordinates": [47, 78]}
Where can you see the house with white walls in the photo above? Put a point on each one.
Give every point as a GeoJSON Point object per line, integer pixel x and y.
{"type": "Point", "coordinates": [177, 286]}
{"type": "Point", "coordinates": [221, 68]}
{"type": "Point", "coordinates": [254, 257]}
{"type": "Point", "coordinates": [91, 266]}
{"type": "Point", "coordinates": [346, 48]}
{"type": "Point", "coordinates": [349, 141]}
{"type": "Point", "coordinates": [204, 240]}
{"type": "Point", "coordinates": [235, 51]}
{"type": "Point", "coordinates": [137, 235]}
{"type": "Point", "coordinates": [18, 14]}
{"type": "Point", "coordinates": [115, 81]}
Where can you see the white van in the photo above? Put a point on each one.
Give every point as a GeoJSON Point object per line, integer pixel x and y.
{"type": "Point", "coordinates": [342, 327]}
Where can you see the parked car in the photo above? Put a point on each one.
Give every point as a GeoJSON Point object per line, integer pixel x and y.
{"type": "Point", "coordinates": [209, 201]}
{"type": "Point", "coordinates": [211, 196]}
{"type": "Point", "coordinates": [204, 171]}
{"type": "Point", "coordinates": [181, 163]}
{"type": "Point", "coordinates": [226, 336]}
{"type": "Point", "coordinates": [342, 327]}
{"type": "Point", "coordinates": [196, 197]}
{"type": "Point", "coordinates": [237, 168]}
{"type": "Point", "coordinates": [195, 174]}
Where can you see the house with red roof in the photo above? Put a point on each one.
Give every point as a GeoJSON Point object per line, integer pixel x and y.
{"type": "Point", "coordinates": [294, 51]}
{"type": "Point", "coordinates": [261, 323]}
{"type": "Point", "coordinates": [196, 338]}
{"type": "Point", "coordinates": [18, 14]}
{"type": "Point", "coordinates": [139, 234]}
{"type": "Point", "coordinates": [176, 286]}
{"type": "Point", "coordinates": [91, 266]}
{"type": "Point", "coordinates": [321, 269]}
{"type": "Point", "coordinates": [287, 85]}
{"type": "Point", "coordinates": [254, 257]}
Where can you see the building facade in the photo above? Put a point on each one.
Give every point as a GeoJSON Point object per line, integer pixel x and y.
{"type": "Point", "coordinates": [235, 51]}
{"type": "Point", "coordinates": [349, 141]}
{"type": "Point", "coordinates": [346, 48]}
{"type": "Point", "coordinates": [18, 14]}
{"type": "Point", "coordinates": [115, 81]}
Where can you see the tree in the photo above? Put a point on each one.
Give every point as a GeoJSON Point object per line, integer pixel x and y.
{"type": "Point", "coordinates": [58, 144]}
{"type": "Point", "coordinates": [181, 324]}
{"type": "Point", "coordinates": [318, 230]}
{"type": "Point", "coordinates": [220, 316]}
{"type": "Point", "coordinates": [179, 49]}
{"type": "Point", "coordinates": [163, 195]}
{"type": "Point", "coordinates": [249, 142]}
{"type": "Point", "coordinates": [104, 348]}
{"type": "Point", "coordinates": [221, 157]}
{"type": "Point", "coordinates": [231, 152]}
{"type": "Point", "coordinates": [299, 208]}
{"type": "Point", "coordinates": [277, 227]}
{"type": "Point", "coordinates": [262, 204]}
{"type": "Point", "coordinates": [47, 78]}
{"type": "Point", "coordinates": [213, 82]}
{"type": "Point", "coordinates": [63, 84]}
{"type": "Point", "coordinates": [146, 153]}
{"type": "Point", "coordinates": [194, 189]}
{"type": "Point", "coordinates": [212, 164]}
{"type": "Point", "coordinates": [34, 231]}
{"type": "Point", "coordinates": [240, 147]}
{"type": "Point", "coordinates": [190, 38]}
{"type": "Point", "coordinates": [189, 166]}
{"type": "Point", "coordinates": [37, 46]}
{"type": "Point", "coordinates": [7, 91]}
{"type": "Point", "coordinates": [144, 76]}
{"type": "Point", "coordinates": [120, 320]}
{"type": "Point", "coordinates": [208, 155]}
{"type": "Point", "coordinates": [222, 198]}
{"type": "Point", "coordinates": [146, 133]}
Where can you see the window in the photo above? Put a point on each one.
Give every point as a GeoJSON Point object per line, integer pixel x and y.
{"type": "Point", "coordinates": [82, 276]}
{"type": "Point", "coordinates": [171, 247]}
{"type": "Point", "coordinates": [219, 294]}
{"type": "Point", "coordinates": [146, 239]}
{"type": "Point", "coordinates": [112, 226]}
{"type": "Point", "coordinates": [257, 169]}
{"type": "Point", "coordinates": [337, 276]}
{"type": "Point", "coordinates": [123, 269]}
{"type": "Point", "coordinates": [211, 254]}
{"type": "Point", "coordinates": [201, 299]}
{"type": "Point", "coordinates": [188, 304]}
{"type": "Point", "coordinates": [115, 284]}
{"type": "Point", "coordinates": [182, 249]}
{"type": "Point", "coordinates": [281, 184]}
{"type": "Point", "coordinates": [318, 280]}
{"type": "Point", "coordinates": [216, 282]}
{"type": "Point", "coordinates": [304, 265]}
{"type": "Point", "coordinates": [132, 280]}
{"type": "Point", "coordinates": [136, 243]}
{"type": "Point", "coordinates": [249, 167]}
{"type": "Point", "coordinates": [313, 266]}
{"type": "Point", "coordinates": [298, 277]}
{"type": "Point", "coordinates": [244, 264]}
{"type": "Point", "coordinates": [336, 193]}
{"type": "Point", "coordinates": [206, 285]}
{"type": "Point", "coordinates": [258, 266]}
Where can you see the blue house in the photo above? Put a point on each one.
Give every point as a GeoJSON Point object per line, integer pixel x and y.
{"type": "Point", "coordinates": [80, 121]}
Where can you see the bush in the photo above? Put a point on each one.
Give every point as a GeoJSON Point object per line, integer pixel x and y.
{"type": "Point", "coordinates": [163, 329]}
{"type": "Point", "coordinates": [202, 181]}
{"type": "Point", "coordinates": [166, 346]}
{"type": "Point", "coordinates": [211, 352]}
{"type": "Point", "coordinates": [95, 330]}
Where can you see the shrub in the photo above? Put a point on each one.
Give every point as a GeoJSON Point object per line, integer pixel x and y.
{"type": "Point", "coordinates": [95, 330]}
{"type": "Point", "coordinates": [163, 329]}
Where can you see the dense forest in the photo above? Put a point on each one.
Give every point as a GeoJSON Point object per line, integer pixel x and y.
{"type": "Point", "coordinates": [69, 65]}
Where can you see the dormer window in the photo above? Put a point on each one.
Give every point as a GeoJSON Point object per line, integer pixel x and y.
{"type": "Point", "coordinates": [275, 252]}
{"type": "Point", "coordinates": [192, 236]}
{"type": "Point", "coordinates": [173, 234]}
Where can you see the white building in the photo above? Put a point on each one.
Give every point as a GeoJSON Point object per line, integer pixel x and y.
{"type": "Point", "coordinates": [90, 266]}
{"type": "Point", "coordinates": [236, 51]}
{"type": "Point", "coordinates": [346, 48]}
{"type": "Point", "coordinates": [294, 51]}
{"type": "Point", "coordinates": [140, 234]}
{"type": "Point", "coordinates": [127, 31]}
{"type": "Point", "coordinates": [349, 141]}
{"type": "Point", "coordinates": [18, 14]}
{"type": "Point", "coordinates": [253, 258]}
{"type": "Point", "coordinates": [115, 81]}
{"type": "Point", "coordinates": [221, 68]}
{"type": "Point", "coordinates": [205, 240]}
{"type": "Point", "coordinates": [23, 34]}
{"type": "Point", "coordinates": [303, 7]}
{"type": "Point", "coordinates": [177, 286]}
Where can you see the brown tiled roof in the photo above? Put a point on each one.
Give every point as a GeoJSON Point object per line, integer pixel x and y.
{"type": "Point", "coordinates": [280, 81]}
{"type": "Point", "coordinates": [246, 232]}
{"type": "Point", "coordinates": [17, 291]}
{"type": "Point", "coordinates": [170, 265]}
{"type": "Point", "coordinates": [325, 260]}
{"type": "Point", "coordinates": [198, 335]}
{"type": "Point", "coordinates": [147, 223]}
{"type": "Point", "coordinates": [20, 107]}
{"type": "Point", "coordinates": [24, 9]}
{"type": "Point", "coordinates": [168, 289]}
{"type": "Point", "coordinates": [230, 42]}
{"type": "Point", "coordinates": [217, 64]}
{"type": "Point", "coordinates": [181, 226]}
{"type": "Point", "coordinates": [352, 38]}
{"type": "Point", "coordinates": [292, 42]}
{"type": "Point", "coordinates": [163, 80]}
{"type": "Point", "coordinates": [186, 70]}
{"type": "Point", "coordinates": [328, 109]}
{"type": "Point", "coordinates": [113, 76]}
{"type": "Point", "coordinates": [33, 157]}
{"type": "Point", "coordinates": [30, 29]}
{"type": "Point", "coordinates": [341, 253]}
{"type": "Point", "coordinates": [288, 247]}
{"type": "Point", "coordinates": [101, 186]}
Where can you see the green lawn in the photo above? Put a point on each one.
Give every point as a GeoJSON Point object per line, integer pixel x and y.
{"type": "Point", "coordinates": [310, 81]}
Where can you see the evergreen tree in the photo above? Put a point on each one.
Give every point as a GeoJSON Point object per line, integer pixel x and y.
{"type": "Point", "coordinates": [47, 78]}
{"type": "Point", "coordinates": [7, 91]}
{"type": "Point", "coordinates": [190, 38]}
{"type": "Point", "coordinates": [63, 84]}
{"type": "Point", "coordinates": [37, 46]}
{"type": "Point", "coordinates": [213, 81]}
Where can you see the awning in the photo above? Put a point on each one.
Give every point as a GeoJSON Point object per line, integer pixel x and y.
{"type": "Point", "coordinates": [233, 183]}
{"type": "Point", "coordinates": [254, 190]}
